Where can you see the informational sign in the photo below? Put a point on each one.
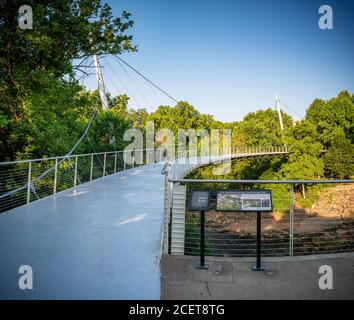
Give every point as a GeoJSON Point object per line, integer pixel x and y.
{"type": "Point", "coordinates": [199, 200]}
{"type": "Point", "coordinates": [244, 200]}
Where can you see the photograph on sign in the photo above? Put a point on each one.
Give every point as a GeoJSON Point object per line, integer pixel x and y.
{"type": "Point", "coordinates": [229, 201]}
{"type": "Point", "coordinates": [247, 200]}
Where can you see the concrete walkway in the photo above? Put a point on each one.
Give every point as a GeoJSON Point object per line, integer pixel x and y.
{"type": "Point", "coordinates": [232, 278]}
{"type": "Point", "coordinates": [101, 240]}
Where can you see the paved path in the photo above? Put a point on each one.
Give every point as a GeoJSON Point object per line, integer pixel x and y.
{"type": "Point", "coordinates": [232, 278]}
{"type": "Point", "coordinates": [101, 240]}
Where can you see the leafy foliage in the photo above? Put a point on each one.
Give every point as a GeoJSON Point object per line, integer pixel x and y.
{"type": "Point", "coordinates": [261, 128]}
{"type": "Point", "coordinates": [42, 108]}
{"type": "Point", "coordinates": [339, 159]}
{"type": "Point", "coordinates": [333, 116]}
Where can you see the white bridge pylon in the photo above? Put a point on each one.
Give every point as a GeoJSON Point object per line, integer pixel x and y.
{"type": "Point", "coordinates": [100, 82]}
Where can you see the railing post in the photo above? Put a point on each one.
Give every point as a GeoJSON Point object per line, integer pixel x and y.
{"type": "Point", "coordinates": [115, 162]}
{"type": "Point", "coordinates": [29, 181]}
{"type": "Point", "coordinates": [75, 172]}
{"type": "Point", "coordinates": [291, 221]}
{"type": "Point", "coordinates": [91, 167]}
{"type": "Point", "coordinates": [55, 176]}
{"type": "Point", "coordinates": [104, 164]}
{"type": "Point", "coordinates": [124, 160]}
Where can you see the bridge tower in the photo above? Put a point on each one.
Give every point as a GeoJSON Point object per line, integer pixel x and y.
{"type": "Point", "coordinates": [277, 100]}
{"type": "Point", "coordinates": [101, 86]}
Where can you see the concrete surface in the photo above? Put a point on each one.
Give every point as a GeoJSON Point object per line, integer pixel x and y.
{"type": "Point", "coordinates": [101, 240]}
{"type": "Point", "coordinates": [232, 278]}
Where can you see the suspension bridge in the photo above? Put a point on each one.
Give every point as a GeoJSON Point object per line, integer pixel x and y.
{"type": "Point", "coordinates": [93, 227]}
{"type": "Point", "coordinates": [101, 239]}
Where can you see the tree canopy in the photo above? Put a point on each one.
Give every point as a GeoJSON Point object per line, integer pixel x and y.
{"type": "Point", "coordinates": [339, 159]}
{"type": "Point", "coordinates": [44, 109]}
{"type": "Point", "coordinates": [333, 116]}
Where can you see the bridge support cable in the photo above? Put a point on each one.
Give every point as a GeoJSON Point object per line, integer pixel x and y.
{"type": "Point", "coordinates": [66, 157]}
{"type": "Point", "coordinates": [292, 110]}
{"type": "Point", "coordinates": [94, 151]}
{"type": "Point", "coordinates": [121, 82]}
{"type": "Point", "coordinates": [119, 59]}
{"type": "Point", "coordinates": [135, 85]}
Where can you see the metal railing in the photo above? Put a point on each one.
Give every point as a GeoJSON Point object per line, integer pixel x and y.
{"type": "Point", "coordinates": [259, 150]}
{"type": "Point", "coordinates": [323, 222]}
{"type": "Point", "coordinates": [24, 181]}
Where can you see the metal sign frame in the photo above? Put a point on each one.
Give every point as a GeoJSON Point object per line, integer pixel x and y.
{"type": "Point", "coordinates": [191, 207]}
{"type": "Point", "coordinates": [242, 209]}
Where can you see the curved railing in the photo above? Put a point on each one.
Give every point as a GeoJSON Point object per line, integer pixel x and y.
{"type": "Point", "coordinates": [294, 228]}
{"type": "Point", "coordinates": [24, 181]}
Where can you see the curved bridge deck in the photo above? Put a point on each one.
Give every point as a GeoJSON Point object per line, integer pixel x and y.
{"type": "Point", "coordinates": [101, 240]}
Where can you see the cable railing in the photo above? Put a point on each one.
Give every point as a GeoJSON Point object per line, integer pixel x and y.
{"type": "Point", "coordinates": [25, 181]}
{"type": "Point", "coordinates": [321, 222]}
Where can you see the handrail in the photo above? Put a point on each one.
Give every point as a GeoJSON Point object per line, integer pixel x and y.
{"type": "Point", "coordinates": [164, 171]}
{"type": "Point", "coordinates": [278, 242]}
{"type": "Point", "coordinates": [246, 150]}
{"type": "Point", "coordinates": [71, 156]}
{"type": "Point", "coordinates": [20, 184]}
{"type": "Point", "coordinates": [258, 181]}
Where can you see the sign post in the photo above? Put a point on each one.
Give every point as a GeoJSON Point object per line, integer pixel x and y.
{"type": "Point", "coordinates": [247, 201]}
{"type": "Point", "coordinates": [202, 264]}
{"type": "Point", "coordinates": [258, 266]}
{"type": "Point", "coordinates": [199, 201]}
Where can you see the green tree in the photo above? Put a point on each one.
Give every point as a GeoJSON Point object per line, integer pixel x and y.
{"type": "Point", "coordinates": [339, 160]}
{"type": "Point", "coordinates": [333, 116]}
{"type": "Point", "coordinates": [52, 118]}
{"type": "Point", "coordinates": [304, 161]}
{"type": "Point", "coordinates": [37, 69]}
{"type": "Point", "coordinates": [261, 128]}
{"type": "Point", "coordinates": [107, 130]}
{"type": "Point", "coordinates": [182, 116]}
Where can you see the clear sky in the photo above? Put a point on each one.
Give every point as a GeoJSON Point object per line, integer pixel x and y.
{"type": "Point", "coordinates": [228, 58]}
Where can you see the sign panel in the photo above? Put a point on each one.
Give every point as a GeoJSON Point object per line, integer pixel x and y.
{"type": "Point", "coordinates": [199, 200]}
{"type": "Point", "coordinates": [244, 200]}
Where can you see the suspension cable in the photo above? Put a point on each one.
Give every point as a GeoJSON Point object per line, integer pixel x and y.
{"type": "Point", "coordinates": [122, 83]}
{"type": "Point", "coordinates": [136, 86]}
{"type": "Point", "coordinates": [301, 116]}
{"type": "Point", "coordinates": [145, 78]}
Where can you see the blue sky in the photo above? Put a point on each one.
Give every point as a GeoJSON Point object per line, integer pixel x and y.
{"type": "Point", "coordinates": [228, 58]}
